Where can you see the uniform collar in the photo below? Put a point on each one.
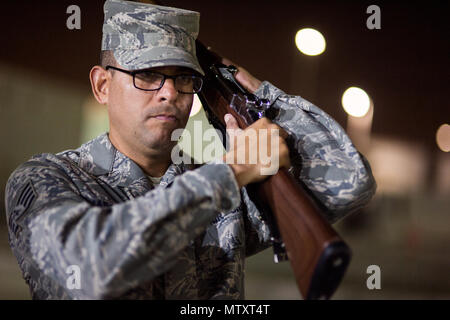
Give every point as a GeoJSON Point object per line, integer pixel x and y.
{"type": "Point", "coordinates": [100, 158]}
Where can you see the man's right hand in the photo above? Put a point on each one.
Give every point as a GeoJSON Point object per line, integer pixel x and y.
{"type": "Point", "coordinates": [256, 152]}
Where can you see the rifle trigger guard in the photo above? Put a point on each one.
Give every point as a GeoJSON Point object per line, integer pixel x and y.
{"type": "Point", "coordinates": [259, 106]}
{"type": "Point", "coordinates": [279, 250]}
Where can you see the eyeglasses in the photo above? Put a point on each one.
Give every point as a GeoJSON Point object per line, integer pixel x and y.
{"type": "Point", "coordinates": [152, 81]}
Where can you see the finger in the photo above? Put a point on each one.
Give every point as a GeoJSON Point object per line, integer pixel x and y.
{"type": "Point", "coordinates": [230, 121]}
{"type": "Point", "coordinates": [227, 62]}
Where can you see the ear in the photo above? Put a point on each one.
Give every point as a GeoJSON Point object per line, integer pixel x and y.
{"type": "Point", "coordinates": [100, 82]}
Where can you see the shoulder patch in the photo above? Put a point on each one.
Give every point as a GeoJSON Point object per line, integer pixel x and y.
{"type": "Point", "coordinates": [24, 202]}
{"type": "Point", "coordinates": [26, 197]}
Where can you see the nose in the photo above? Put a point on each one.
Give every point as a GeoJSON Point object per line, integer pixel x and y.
{"type": "Point", "coordinates": [168, 91]}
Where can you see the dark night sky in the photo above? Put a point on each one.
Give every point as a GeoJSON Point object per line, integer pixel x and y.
{"type": "Point", "coordinates": [404, 66]}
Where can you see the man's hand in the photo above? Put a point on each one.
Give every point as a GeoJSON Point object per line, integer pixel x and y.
{"type": "Point", "coordinates": [248, 81]}
{"type": "Point", "coordinates": [256, 152]}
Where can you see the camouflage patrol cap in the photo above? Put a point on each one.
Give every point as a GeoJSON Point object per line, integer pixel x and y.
{"type": "Point", "coordinates": [145, 36]}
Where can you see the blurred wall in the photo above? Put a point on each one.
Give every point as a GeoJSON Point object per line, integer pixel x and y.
{"type": "Point", "coordinates": [38, 114]}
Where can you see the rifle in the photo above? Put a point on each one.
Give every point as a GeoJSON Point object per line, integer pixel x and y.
{"type": "Point", "coordinates": [318, 256]}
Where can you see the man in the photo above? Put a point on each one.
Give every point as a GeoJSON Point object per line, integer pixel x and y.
{"type": "Point", "coordinates": [116, 218]}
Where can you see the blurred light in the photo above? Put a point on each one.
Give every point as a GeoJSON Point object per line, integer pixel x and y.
{"type": "Point", "coordinates": [443, 137]}
{"type": "Point", "coordinates": [356, 102]}
{"type": "Point", "coordinates": [310, 42]}
{"type": "Point", "coordinates": [399, 167]}
{"type": "Point", "coordinates": [196, 106]}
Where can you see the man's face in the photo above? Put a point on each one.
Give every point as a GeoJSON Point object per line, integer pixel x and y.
{"type": "Point", "coordinates": [145, 120]}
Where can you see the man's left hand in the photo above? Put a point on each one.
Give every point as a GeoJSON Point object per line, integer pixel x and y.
{"type": "Point", "coordinates": [248, 81]}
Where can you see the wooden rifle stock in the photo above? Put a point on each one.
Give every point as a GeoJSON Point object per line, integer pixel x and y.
{"type": "Point", "coordinates": [319, 257]}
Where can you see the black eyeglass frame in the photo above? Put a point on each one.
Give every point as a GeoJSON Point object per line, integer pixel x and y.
{"type": "Point", "coordinates": [165, 76]}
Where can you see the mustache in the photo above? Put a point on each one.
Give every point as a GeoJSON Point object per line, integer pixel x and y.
{"type": "Point", "coordinates": [154, 111]}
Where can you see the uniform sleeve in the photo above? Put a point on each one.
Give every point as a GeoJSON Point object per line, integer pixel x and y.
{"type": "Point", "coordinates": [323, 159]}
{"type": "Point", "coordinates": [116, 247]}
{"type": "Point", "coordinates": [326, 160]}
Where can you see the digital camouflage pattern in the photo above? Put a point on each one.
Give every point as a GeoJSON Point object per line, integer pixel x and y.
{"type": "Point", "coordinates": [325, 159]}
{"type": "Point", "coordinates": [185, 238]}
{"type": "Point", "coordinates": [145, 36]}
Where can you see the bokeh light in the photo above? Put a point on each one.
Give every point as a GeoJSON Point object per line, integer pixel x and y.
{"type": "Point", "coordinates": [356, 102]}
{"type": "Point", "coordinates": [443, 137]}
{"type": "Point", "coordinates": [310, 42]}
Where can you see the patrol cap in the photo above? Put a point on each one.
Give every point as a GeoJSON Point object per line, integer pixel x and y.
{"type": "Point", "coordinates": [144, 35]}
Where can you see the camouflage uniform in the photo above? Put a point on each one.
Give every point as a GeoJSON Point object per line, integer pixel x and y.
{"type": "Point", "coordinates": [187, 237]}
